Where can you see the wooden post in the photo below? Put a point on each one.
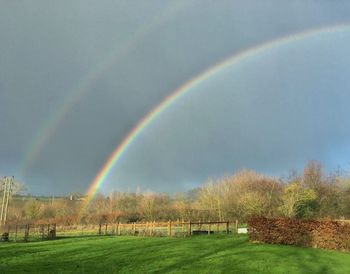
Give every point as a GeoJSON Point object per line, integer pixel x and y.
{"type": "Point", "coordinates": [54, 231]}
{"type": "Point", "coordinates": [16, 229]}
{"type": "Point", "coordinates": [236, 228]}
{"type": "Point", "coordinates": [118, 229]}
{"type": "Point", "coordinates": [227, 227]}
{"type": "Point", "coordinates": [189, 228]}
{"type": "Point", "coordinates": [218, 227]}
{"type": "Point", "coordinates": [209, 227]}
{"type": "Point", "coordinates": [106, 225]}
{"type": "Point", "coordinates": [182, 228]}
{"type": "Point", "coordinates": [42, 230]}
{"type": "Point", "coordinates": [134, 229]}
{"type": "Point", "coordinates": [169, 228]}
{"type": "Point", "coordinates": [26, 233]}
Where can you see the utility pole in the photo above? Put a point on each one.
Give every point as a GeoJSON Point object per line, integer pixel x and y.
{"type": "Point", "coordinates": [8, 183]}
{"type": "Point", "coordinates": [4, 183]}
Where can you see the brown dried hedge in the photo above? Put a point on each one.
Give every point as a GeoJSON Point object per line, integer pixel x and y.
{"type": "Point", "coordinates": [324, 234]}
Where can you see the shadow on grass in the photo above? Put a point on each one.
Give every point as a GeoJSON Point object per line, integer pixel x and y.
{"type": "Point", "coordinates": [241, 256]}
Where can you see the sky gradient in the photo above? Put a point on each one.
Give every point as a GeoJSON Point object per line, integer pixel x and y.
{"type": "Point", "coordinates": [76, 77]}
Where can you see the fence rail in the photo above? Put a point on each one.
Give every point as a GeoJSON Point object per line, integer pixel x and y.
{"type": "Point", "coordinates": [31, 232]}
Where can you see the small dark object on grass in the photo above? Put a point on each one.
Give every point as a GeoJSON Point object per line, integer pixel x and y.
{"type": "Point", "coordinates": [201, 232]}
{"type": "Point", "coordinates": [5, 237]}
{"type": "Point", "coordinates": [52, 234]}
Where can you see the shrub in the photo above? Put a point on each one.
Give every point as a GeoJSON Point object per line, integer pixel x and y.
{"type": "Point", "coordinates": [324, 234]}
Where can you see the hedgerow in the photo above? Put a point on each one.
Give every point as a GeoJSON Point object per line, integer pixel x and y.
{"type": "Point", "coordinates": [325, 234]}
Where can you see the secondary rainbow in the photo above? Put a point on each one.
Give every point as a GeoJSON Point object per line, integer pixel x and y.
{"type": "Point", "coordinates": [187, 87]}
{"type": "Point", "coordinates": [52, 123]}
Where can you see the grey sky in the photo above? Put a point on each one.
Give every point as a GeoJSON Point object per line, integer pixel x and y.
{"type": "Point", "coordinates": [271, 113]}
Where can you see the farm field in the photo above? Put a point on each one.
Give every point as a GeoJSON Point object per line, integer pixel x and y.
{"type": "Point", "coordinates": [198, 254]}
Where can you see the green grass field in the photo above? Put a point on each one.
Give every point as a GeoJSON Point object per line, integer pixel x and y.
{"type": "Point", "coordinates": [201, 254]}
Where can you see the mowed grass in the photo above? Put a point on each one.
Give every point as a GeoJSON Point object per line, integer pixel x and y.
{"type": "Point", "coordinates": [200, 254]}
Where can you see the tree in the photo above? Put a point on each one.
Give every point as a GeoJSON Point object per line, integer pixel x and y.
{"type": "Point", "coordinates": [33, 209]}
{"type": "Point", "coordinates": [210, 199]}
{"type": "Point", "coordinates": [313, 176]}
{"type": "Point", "coordinates": [325, 188]}
{"type": "Point", "coordinates": [298, 201]}
{"type": "Point", "coordinates": [147, 205]}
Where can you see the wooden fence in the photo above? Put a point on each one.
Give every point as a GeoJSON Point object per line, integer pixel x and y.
{"type": "Point", "coordinates": [29, 232]}
{"type": "Point", "coordinates": [171, 228]}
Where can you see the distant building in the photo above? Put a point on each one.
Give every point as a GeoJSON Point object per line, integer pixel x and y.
{"type": "Point", "coordinates": [77, 197]}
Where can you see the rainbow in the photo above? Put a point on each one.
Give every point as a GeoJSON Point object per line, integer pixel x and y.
{"type": "Point", "coordinates": [50, 125]}
{"type": "Point", "coordinates": [188, 86]}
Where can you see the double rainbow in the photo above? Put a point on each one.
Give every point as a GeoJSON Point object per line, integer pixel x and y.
{"type": "Point", "coordinates": [188, 87]}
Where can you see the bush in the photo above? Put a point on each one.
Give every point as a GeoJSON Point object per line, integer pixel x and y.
{"type": "Point", "coordinates": [324, 234]}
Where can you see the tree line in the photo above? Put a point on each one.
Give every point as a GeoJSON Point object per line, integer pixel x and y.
{"type": "Point", "coordinates": [312, 193]}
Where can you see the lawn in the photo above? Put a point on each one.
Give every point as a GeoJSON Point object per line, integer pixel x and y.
{"type": "Point", "coordinates": [200, 254]}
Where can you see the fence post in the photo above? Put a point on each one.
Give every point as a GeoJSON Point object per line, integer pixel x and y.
{"type": "Point", "coordinates": [26, 233]}
{"type": "Point", "coordinates": [54, 230]}
{"type": "Point", "coordinates": [189, 228]}
{"type": "Point", "coordinates": [169, 228]}
{"type": "Point", "coordinates": [16, 228]}
{"type": "Point", "coordinates": [227, 227]}
{"type": "Point", "coordinates": [134, 229]}
{"type": "Point", "coordinates": [182, 228]}
{"type": "Point", "coordinates": [209, 226]}
{"type": "Point", "coordinates": [99, 229]}
{"type": "Point", "coordinates": [42, 230]}
{"type": "Point", "coordinates": [236, 225]}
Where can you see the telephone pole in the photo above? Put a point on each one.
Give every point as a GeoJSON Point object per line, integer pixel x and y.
{"type": "Point", "coordinates": [8, 183]}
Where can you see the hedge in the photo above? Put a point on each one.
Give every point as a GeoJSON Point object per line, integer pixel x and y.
{"type": "Point", "coordinates": [325, 234]}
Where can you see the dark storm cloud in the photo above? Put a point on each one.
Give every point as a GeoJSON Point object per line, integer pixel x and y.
{"type": "Point", "coordinates": [47, 48]}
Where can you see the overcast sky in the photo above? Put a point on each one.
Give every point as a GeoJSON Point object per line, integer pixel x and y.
{"type": "Point", "coordinates": [77, 76]}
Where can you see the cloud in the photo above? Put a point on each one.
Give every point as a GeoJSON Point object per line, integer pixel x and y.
{"type": "Point", "coordinates": [46, 49]}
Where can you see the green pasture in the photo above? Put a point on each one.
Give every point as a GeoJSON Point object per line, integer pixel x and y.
{"type": "Point", "coordinates": [198, 254]}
